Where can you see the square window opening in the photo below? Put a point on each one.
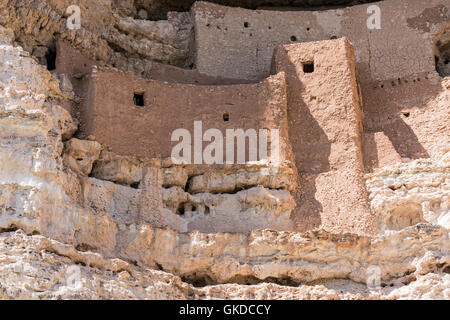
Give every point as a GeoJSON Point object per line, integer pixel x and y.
{"type": "Point", "coordinates": [50, 57]}
{"type": "Point", "coordinates": [308, 67]}
{"type": "Point", "coordinates": [138, 99]}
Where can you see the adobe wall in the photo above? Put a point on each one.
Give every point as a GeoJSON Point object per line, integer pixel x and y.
{"type": "Point", "coordinates": [111, 116]}
{"type": "Point", "coordinates": [239, 43]}
{"type": "Point", "coordinates": [412, 112]}
{"type": "Point", "coordinates": [378, 151]}
{"type": "Point", "coordinates": [75, 66]}
{"type": "Point", "coordinates": [325, 122]}
{"type": "Point", "coordinates": [165, 72]}
{"type": "Point", "coordinates": [395, 64]}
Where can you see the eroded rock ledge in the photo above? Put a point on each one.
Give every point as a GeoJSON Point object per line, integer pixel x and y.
{"type": "Point", "coordinates": [47, 264]}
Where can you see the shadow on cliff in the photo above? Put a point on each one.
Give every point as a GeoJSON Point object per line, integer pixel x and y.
{"type": "Point", "coordinates": [391, 110]}
{"type": "Point", "coordinates": [404, 140]}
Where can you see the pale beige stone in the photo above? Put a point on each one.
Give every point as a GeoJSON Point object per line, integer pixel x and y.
{"type": "Point", "coordinates": [404, 194]}
{"type": "Point", "coordinates": [81, 154]}
{"type": "Point", "coordinates": [174, 176]}
{"type": "Point", "coordinates": [117, 169]}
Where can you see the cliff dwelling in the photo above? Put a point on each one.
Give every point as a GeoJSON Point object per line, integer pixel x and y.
{"type": "Point", "coordinates": [309, 145]}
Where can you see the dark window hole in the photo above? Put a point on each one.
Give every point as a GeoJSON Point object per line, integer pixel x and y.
{"type": "Point", "coordinates": [406, 114]}
{"type": "Point", "coordinates": [226, 117]}
{"type": "Point", "coordinates": [139, 99]}
{"type": "Point", "coordinates": [135, 185]}
{"type": "Point", "coordinates": [246, 24]}
{"type": "Point", "coordinates": [50, 57]}
{"type": "Point", "coordinates": [293, 38]}
{"type": "Point", "coordinates": [308, 67]}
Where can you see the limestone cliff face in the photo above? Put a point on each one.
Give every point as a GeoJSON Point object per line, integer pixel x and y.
{"type": "Point", "coordinates": [105, 36]}
{"type": "Point", "coordinates": [409, 193]}
{"type": "Point", "coordinates": [78, 221]}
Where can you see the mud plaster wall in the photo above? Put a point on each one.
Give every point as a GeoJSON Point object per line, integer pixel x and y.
{"type": "Point", "coordinates": [395, 65]}
{"type": "Point", "coordinates": [324, 129]}
{"type": "Point", "coordinates": [239, 43]}
{"type": "Point", "coordinates": [111, 116]}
